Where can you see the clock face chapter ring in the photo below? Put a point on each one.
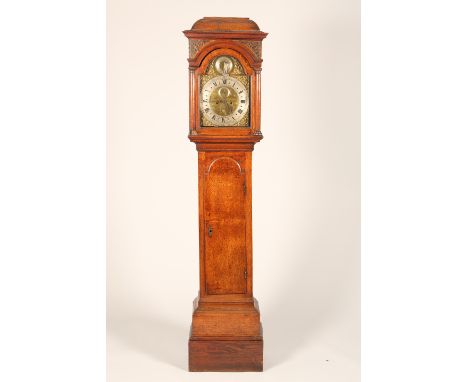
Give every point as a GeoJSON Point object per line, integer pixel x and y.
{"type": "Point", "coordinates": [224, 100]}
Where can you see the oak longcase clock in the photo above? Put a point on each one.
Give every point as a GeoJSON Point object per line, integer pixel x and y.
{"type": "Point", "coordinates": [224, 80]}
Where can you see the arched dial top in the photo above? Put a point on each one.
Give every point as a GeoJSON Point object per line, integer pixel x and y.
{"type": "Point", "coordinates": [224, 94]}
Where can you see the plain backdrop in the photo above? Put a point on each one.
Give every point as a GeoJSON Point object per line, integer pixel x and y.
{"type": "Point", "coordinates": [306, 190]}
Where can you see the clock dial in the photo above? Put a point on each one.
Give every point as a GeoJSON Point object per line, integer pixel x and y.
{"type": "Point", "coordinates": [224, 100]}
{"type": "Point", "coordinates": [224, 94]}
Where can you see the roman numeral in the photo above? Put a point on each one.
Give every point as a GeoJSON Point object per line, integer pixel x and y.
{"type": "Point", "coordinates": [214, 83]}
{"type": "Point", "coordinates": [242, 100]}
{"type": "Point", "coordinates": [213, 117]}
{"type": "Point", "coordinates": [240, 91]}
{"type": "Point", "coordinates": [207, 110]}
{"type": "Point", "coordinates": [240, 111]}
{"type": "Point", "coordinates": [224, 81]}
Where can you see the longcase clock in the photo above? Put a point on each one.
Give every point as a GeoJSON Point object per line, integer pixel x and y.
{"type": "Point", "coordinates": [224, 80]}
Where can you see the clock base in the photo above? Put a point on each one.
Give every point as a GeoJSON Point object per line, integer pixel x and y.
{"type": "Point", "coordinates": [226, 355]}
{"type": "Point", "coordinates": [226, 336]}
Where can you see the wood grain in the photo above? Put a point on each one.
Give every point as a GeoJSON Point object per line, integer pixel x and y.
{"type": "Point", "coordinates": [237, 355]}
{"type": "Point", "coordinates": [225, 257]}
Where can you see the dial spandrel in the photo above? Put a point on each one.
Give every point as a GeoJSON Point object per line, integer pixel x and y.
{"type": "Point", "coordinates": [224, 98]}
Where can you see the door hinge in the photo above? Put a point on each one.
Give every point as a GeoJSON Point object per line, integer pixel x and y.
{"type": "Point", "coordinates": [245, 274]}
{"type": "Point", "coordinates": [245, 189]}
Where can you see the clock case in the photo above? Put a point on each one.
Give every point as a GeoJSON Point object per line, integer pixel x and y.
{"type": "Point", "coordinates": [226, 332]}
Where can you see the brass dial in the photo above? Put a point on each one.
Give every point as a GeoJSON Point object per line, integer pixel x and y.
{"type": "Point", "coordinates": [224, 95]}
{"type": "Point", "coordinates": [224, 100]}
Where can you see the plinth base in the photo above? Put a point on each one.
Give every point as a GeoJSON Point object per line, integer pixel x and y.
{"type": "Point", "coordinates": [226, 336]}
{"type": "Point", "coordinates": [225, 355]}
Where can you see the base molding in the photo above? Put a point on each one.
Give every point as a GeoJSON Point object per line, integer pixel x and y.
{"type": "Point", "coordinates": [225, 355]}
